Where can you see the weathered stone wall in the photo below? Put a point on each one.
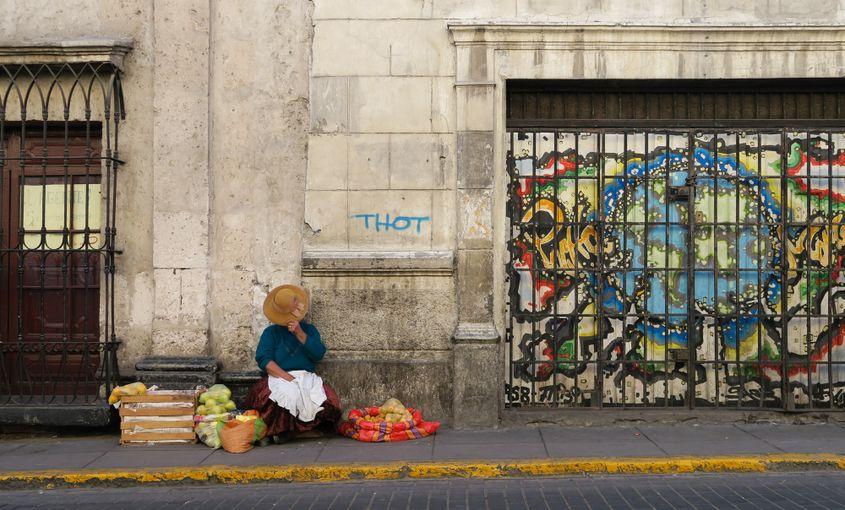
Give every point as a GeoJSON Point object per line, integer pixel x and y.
{"type": "Point", "coordinates": [210, 202]}
{"type": "Point", "coordinates": [259, 109]}
{"type": "Point", "coordinates": [320, 142]}
{"type": "Point", "coordinates": [402, 125]}
{"type": "Point", "coordinates": [27, 21]}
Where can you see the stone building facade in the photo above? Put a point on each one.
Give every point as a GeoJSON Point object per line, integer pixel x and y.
{"type": "Point", "coordinates": [360, 148]}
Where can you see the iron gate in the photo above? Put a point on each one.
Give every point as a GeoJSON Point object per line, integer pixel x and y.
{"type": "Point", "coordinates": [677, 268]}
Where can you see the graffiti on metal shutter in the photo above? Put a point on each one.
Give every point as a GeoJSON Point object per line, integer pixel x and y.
{"type": "Point", "coordinates": [677, 268]}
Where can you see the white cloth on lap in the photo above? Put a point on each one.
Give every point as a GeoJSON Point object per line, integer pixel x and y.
{"type": "Point", "coordinates": [303, 396]}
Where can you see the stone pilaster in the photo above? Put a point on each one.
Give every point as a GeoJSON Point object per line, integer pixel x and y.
{"type": "Point", "coordinates": [477, 375]}
{"type": "Point", "coordinates": [477, 370]}
{"type": "Point", "coordinates": [180, 178]}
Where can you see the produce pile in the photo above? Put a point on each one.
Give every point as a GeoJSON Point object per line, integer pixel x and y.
{"type": "Point", "coordinates": [392, 411]}
{"type": "Point", "coordinates": [217, 400]}
{"type": "Point", "coordinates": [219, 424]}
{"type": "Point", "coordinates": [131, 389]}
{"type": "Point", "coordinates": [239, 434]}
{"type": "Point", "coordinates": [391, 421]}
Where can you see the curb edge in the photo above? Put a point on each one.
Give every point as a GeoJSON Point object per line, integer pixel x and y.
{"type": "Point", "coordinates": [420, 470]}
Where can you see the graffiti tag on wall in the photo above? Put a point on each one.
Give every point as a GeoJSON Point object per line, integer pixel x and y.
{"type": "Point", "coordinates": [386, 223]}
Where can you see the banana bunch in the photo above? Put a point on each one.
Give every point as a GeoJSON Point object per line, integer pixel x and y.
{"type": "Point", "coordinates": [132, 389]}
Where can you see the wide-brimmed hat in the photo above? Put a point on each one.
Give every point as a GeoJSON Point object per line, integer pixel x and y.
{"type": "Point", "coordinates": [286, 303]}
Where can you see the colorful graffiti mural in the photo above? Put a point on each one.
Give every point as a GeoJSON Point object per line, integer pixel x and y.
{"type": "Point", "coordinates": [677, 269]}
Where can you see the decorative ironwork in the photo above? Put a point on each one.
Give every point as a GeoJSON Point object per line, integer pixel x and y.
{"type": "Point", "coordinates": [58, 176]}
{"type": "Point", "coordinates": [661, 268]}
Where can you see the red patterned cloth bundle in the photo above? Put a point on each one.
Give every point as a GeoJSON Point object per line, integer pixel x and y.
{"type": "Point", "coordinates": [364, 425]}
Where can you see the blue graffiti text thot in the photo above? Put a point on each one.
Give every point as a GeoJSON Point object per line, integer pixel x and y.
{"type": "Point", "coordinates": [385, 223]}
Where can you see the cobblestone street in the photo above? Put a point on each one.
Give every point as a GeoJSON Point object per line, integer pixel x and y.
{"type": "Point", "coordinates": [700, 491]}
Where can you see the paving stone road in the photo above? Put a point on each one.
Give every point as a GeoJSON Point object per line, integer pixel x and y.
{"type": "Point", "coordinates": [824, 490]}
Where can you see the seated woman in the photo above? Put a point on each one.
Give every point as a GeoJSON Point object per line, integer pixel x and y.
{"type": "Point", "coordinates": [286, 346]}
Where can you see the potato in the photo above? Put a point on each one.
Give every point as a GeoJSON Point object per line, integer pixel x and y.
{"type": "Point", "coordinates": [392, 405]}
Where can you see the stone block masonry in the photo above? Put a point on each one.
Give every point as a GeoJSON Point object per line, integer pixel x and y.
{"type": "Point", "coordinates": [356, 147]}
{"type": "Point", "coordinates": [210, 203]}
{"type": "Point", "coordinates": [392, 144]}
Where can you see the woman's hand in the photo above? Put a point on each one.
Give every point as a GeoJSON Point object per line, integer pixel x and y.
{"type": "Point", "coordinates": [276, 371]}
{"type": "Point", "coordinates": [298, 309]}
{"type": "Point", "coordinates": [296, 328]}
{"type": "Point", "coordinates": [286, 376]}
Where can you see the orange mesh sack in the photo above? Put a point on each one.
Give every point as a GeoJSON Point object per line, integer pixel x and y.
{"type": "Point", "coordinates": [238, 435]}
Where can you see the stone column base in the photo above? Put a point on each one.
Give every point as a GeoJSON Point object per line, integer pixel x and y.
{"type": "Point", "coordinates": [476, 376]}
{"type": "Point", "coordinates": [177, 373]}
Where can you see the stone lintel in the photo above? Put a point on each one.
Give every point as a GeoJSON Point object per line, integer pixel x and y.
{"type": "Point", "coordinates": [476, 333]}
{"type": "Point", "coordinates": [96, 50]}
{"type": "Point", "coordinates": [375, 263]}
{"type": "Point", "coordinates": [634, 36]}
{"type": "Point", "coordinates": [492, 51]}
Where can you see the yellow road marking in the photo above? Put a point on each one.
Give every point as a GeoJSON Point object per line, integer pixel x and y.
{"type": "Point", "coordinates": [421, 470]}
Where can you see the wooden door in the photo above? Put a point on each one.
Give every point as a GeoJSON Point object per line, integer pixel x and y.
{"type": "Point", "coordinates": [51, 268]}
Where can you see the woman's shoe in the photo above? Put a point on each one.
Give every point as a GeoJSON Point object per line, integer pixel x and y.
{"type": "Point", "coordinates": [281, 438]}
{"type": "Point", "coordinates": [310, 434]}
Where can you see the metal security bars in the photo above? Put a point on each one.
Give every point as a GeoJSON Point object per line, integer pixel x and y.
{"type": "Point", "coordinates": [58, 175]}
{"type": "Point", "coordinates": [683, 104]}
{"type": "Point", "coordinates": [666, 268]}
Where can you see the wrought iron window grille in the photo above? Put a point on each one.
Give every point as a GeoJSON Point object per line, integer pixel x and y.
{"type": "Point", "coordinates": [59, 162]}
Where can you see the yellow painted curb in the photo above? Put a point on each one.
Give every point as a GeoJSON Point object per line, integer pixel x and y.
{"type": "Point", "coordinates": [422, 470]}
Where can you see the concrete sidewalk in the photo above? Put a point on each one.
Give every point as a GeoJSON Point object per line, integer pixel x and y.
{"type": "Point", "coordinates": [449, 453]}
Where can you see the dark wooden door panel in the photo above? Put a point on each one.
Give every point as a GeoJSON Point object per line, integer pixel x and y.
{"type": "Point", "coordinates": [50, 269]}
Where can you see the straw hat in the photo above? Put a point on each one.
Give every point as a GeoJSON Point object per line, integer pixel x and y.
{"type": "Point", "coordinates": [286, 303]}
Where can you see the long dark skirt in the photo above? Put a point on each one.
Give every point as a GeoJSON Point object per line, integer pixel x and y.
{"type": "Point", "coordinates": [280, 421]}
